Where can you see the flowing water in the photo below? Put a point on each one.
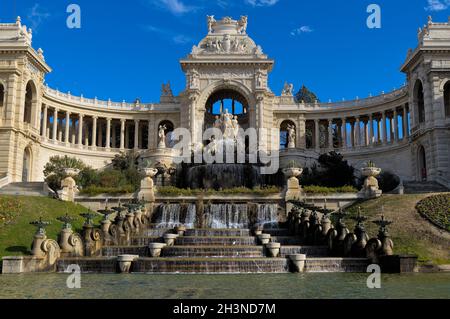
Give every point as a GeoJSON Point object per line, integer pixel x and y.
{"type": "Point", "coordinates": [257, 286]}
{"type": "Point", "coordinates": [217, 216]}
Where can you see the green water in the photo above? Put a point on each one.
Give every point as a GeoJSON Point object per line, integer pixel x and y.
{"type": "Point", "coordinates": [264, 286]}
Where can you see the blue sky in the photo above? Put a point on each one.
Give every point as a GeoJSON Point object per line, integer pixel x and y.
{"type": "Point", "coordinates": [125, 50]}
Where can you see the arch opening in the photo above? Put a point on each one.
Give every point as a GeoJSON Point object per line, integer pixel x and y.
{"type": "Point", "coordinates": [422, 161]}
{"type": "Point", "coordinates": [447, 99]}
{"type": "Point", "coordinates": [29, 99]}
{"type": "Point", "coordinates": [26, 168]}
{"type": "Point", "coordinates": [284, 133]}
{"type": "Point", "coordinates": [226, 100]}
{"type": "Point", "coordinates": [2, 95]}
{"type": "Point", "coordinates": [419, 101]}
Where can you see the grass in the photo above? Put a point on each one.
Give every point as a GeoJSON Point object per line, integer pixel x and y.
{"type": "Point", "coordinates": [410, 232]}
{"type": "Point", "coordinates": [16, 212]}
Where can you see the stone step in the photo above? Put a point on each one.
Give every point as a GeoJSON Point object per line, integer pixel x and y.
{"type": "Point", "coordinates": [309, 251]}
{"type": "Point", "coordinates": [112, 251]}
{"type": "Point", "coordinates": [277, 231]}
{"type": "Point", "coordinates": [424, 187]}
{"type": "Point", "coordinates": [216, 241]}
{"type": "Point", "coordinates": [179, 265]}
{"type": "Point", "coordinates": [214, 251]}
{"type": "Point", "coordinates": [145, 240]}
{"type": "Point", "coordinates": [211, 265]}
{"type": "Point", "coordinates": [286, 240]}
{"type": "Point", "coordinates": [217, 232]}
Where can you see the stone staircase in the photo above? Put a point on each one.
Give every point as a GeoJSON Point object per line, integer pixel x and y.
{"type": "Point", "coordinates": [424, 188]}
{"type": "Point", "coordinates": [214, 251]}
{"type": "Point", "coordinates": [24, 189]}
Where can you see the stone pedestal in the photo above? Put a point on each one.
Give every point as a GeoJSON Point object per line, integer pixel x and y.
{"type": "Point", "coordinates": [370, 188]}
{"type": "Point", "coordinates": [147, 191]}
{"type": "Point", "coordinates": [293, 190]}
{"type": "Point", "coordinates": [264, 238]}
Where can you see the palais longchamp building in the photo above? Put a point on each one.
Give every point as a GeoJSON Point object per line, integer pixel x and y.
{"type": "Point", "coordinates": [406, 131]}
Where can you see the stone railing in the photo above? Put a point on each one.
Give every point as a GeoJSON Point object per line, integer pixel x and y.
{"type": "Point", "coordinates": [364, 102]}
{"type": "Point", "coordinates": [87, 102]}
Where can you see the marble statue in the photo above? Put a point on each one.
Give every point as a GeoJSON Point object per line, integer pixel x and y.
{"type": "Point", "coordinates": [242, 25]}
{"type": "Point", "coordinates": [210, 20]}
{"type": "Point", "coordinates": [291, 136]}
{"type": "Point", "coordinates": [166, 90]}
{"type": "Point", "coordinates": [162, 136]}
{"type": "Point", "coordinates": [288, 89]}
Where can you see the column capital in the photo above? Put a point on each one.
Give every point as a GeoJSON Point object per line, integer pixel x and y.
{"type": "Point", "coordinates": [123, 120]}
{"type": "Point", "coordinates": [95, 117]}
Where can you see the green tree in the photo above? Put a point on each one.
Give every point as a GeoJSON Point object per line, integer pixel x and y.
{"type": "Point", "coordinates": [305, 95]}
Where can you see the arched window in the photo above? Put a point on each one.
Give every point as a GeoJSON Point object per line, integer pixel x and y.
{"type": "Point", "coordinates": [284, 133]}
{"type": "Point", "coordinates": [29, 96]}
{"type": "Point", "coordinates": [226, 100]}
{"type": "Point", "coordinates": [2, 95]}
{"type": "Point", "coordinates": [170, 142]}
{"type": "Point", "coordinates": [447, 98]}
{"type": "Point", "coordinates": [419, 101]}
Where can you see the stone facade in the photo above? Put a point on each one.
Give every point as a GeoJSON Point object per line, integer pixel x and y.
{"type": "Point", "coordinates": [37, 122]}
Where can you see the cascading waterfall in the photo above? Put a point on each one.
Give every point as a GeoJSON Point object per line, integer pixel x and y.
{"type": "Point", "coordinates": [217, 216]}
{"type": "Point", "coordinates": [227, 216]}
{"type": "Point", "coordinates": [169, 216]}
{"type": "Point", "coordinates": [190, 216]}
{"type": "Point", "coordinates": [267, 215]}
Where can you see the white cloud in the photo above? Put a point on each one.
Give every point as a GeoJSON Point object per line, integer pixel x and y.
{"type": "Point", "coordinates": [302, 29]}
{"type": "Point", "coordinates": [176, 7]}
{"type": "Point", "coordinates": [36, 15]}
{"type": "Point", "coordinates": [168, 34]}
{"type": "Point", "coordinates": [261, 3]}
{"type": "Point", "coordinates": [437, 5]}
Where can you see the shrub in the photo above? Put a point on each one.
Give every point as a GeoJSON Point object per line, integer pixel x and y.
{"type": "Point", "coordinates": [436, 209]}
{"type": "Point", "coordinates": [329, 190]}
{"type": "Point", "coordinates": [111, 178]}
{"type": "Point", "coordinates": [125, 160]}
{"type": "Point", "coordinates": [87, 176]}
{"type": "Point", "coordinates": [332, 171]}
{"type": "Point", "coordinates": [54, 169]}
{"type": "Point", "coordinates": [388, 181]}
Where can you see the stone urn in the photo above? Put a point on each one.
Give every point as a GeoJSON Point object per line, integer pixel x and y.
{"type": "Point", "coordinates": [180, 230]}
{"type": "Point", "coordinates": [155, 249]}
{"type": "Point", "coordinates": [124, 262]}
{"type": "Point", "coordinates": [293, 189]}
{"type": "Point", "coordinates": [69, 187]}
{"type": "Point", "coordinates": [170, 239]}
{"type": "Point", "coordinates": [273, 249]}
{"type": "Point", "coordinates": [264, 238]}
{"type": "Point", "coordinates": [298, 261]}
{"type": "Point", "coordinates": [71, 172]}
{"type": "Point", "coordinates": [370, 188]}
{"type": "Point", "coordinates": [147, 192]}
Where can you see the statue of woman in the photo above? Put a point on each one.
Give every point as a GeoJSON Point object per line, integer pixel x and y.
{"type": "Point", "coordinates": [291, 136]}
{"type": "Point", "coordinates": [235, 124]}
{"type": "Point", "coordinates": [162, 136]}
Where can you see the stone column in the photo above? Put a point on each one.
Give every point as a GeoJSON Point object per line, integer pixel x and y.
{"type": "Point", "coordinates": [122, 133]}
{"type": "Point", "coordinates": [344, 133]}
{"type": "Point", "coordinates": [136, 134]}
{"type": "Point", "coordinates": [113, 135]}
{"type": "Point", "coordinates": [94, 132]}
{"type": "Point", "coordinates": [302, 133]}
{"type": "Point", "coordinates": [80, 130]}
{"type": "Point", "coordinates": [370, 129]}
{"type": "Point", "coordinates": [358, 132]}
{"type": "Point", "coordinates": [44, 122]}
{"type": "Point", "coordinates": [149, 133]}
{"type": "Point", "coordinates": [317, 135]}
{"type": "Point", "coordinates": [352, 134]}
{"type": "Point", "coordinates": [395, 123]}
{"type": "Point", "coordinates": [366, 133]}
{"type": "Point", "coordinates": [405, 122]}
{"type": "Point", "coordinates": [73, 132]}
{"type": "Point", "coordinates": [379, 129]}
{"type": "Point", "coordinates": [330, 134]}
{"type": "Point", "coordinates": [108, 133]}
{"type": "Point", "coordinates": [55, 125]}
{"type": "Point", "coordinates": [384, 131]}
{"type": "Point", "coordinates": [67, 128]}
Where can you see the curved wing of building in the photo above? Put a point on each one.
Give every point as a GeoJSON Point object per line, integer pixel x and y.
{"type": "Point", "coordinates": [406, 131]}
